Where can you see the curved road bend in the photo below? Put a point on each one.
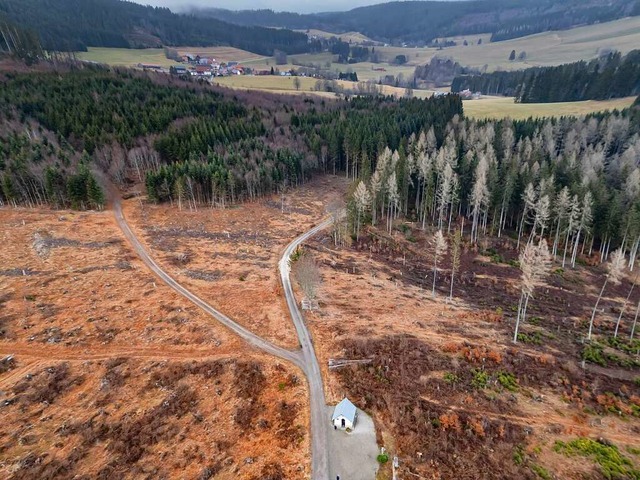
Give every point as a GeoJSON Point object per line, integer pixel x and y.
{"type": "Point", "coordinates": [319, 447]}
{"type": "Point", "coordinates": [304, 359]}
{"type": "Point", "coordinates": [251, 338]}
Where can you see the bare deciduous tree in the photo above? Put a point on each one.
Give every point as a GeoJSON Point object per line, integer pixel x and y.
{"type": "Point", "coordinates": [307, 274]}
{"type": "Point", "coordinates": [535, 263]}
{"type": "Point", "coordinates": [615, 269]}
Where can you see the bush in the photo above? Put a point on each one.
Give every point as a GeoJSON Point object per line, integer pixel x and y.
{"type": "Point", "coordinates": [534, 338]}
{"type": "Point", "coordinates": [593, 353]}
{"type": "Point", "coordinates": [508, 381]}
{"type": "Point", "coordinates": [451, 377]}
{"type": "Point", "coordinates": [480, 379]}
{"type": "Point", "coordinates": [382, 458]}
{"type": "Point", "coordinates": [541, 472]}
{"type": "Point", "coordinates": [518, 455]}
{"type": "Point", "coordinates": [612, 463]}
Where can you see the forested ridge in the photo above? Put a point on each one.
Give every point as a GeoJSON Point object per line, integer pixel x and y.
{"type": "Point", "coordinates": [611, 76]}
{"type": "Point", "coordinates": [74, 25]}
{"type": "Point", "coordinates": [187, 141]}
{"type": "Point", "coordinates": [418, 22]}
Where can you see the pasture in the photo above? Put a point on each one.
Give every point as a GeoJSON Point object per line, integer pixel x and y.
{"type": "Point", "coordinates": [502, 107]}
{"type": "Point", "coordinates": [126, 57]}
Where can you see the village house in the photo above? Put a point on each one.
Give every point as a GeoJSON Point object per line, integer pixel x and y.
{"type": "Point", "coordinates": [344, 415]}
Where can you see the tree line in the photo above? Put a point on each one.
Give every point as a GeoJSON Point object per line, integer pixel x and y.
{"type": "Point", "coordinates": [572, 181]}
{"type": "Point", "coordinates": [246, 171]}
{"type": "Point", "coordinates": [610, 76]}
{"type": "Point", "coordinates": [19, 43]}
{"type": "Point", "coordinates": [349, 139]}
{"type": "Point", "coordinates": [54, 126]}
{"type": "Point", "coordinates": [36, 171]}
{"type": "Point", "coordinates": [561, 188]}
{"type": "Point", "coordinates": [74, 25]}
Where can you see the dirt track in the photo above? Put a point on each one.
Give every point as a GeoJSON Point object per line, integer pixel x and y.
{"type": "Point", "coordinates": [304, 359]}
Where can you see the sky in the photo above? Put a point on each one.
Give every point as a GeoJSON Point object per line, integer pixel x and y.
{"type": "Point", "coordinates": [300, 6]}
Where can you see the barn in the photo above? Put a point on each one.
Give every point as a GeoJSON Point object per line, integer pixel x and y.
{"type": "Point", "coordinates": [344, 415]}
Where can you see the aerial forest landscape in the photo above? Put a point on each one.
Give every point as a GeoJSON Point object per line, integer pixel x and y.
{"type": "Point", "coordinates": [370, 241]}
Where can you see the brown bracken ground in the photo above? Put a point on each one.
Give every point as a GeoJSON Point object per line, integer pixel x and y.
{"type": "Point", "coordinates": [449, 391]}
{"type": "Point", "coordinates": [113, 375]}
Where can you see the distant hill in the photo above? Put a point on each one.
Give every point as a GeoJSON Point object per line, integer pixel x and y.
{"type": "Point", "coordinates": [417, 22]}
{"type": "Point", "coordinates": [78, 24]}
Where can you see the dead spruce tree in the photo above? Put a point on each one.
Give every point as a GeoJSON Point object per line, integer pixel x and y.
{"type": "Point", "coordinates": [456, 251]}
{"type": "Point", "coordinates": [635, 322]}
{"type": "Point", "coordinates": [561, 210]}
{"type": "Point", "coordinates": [624, 306]}
{"type": "Point", "coordinates": [362, 200]}
{"type": "Point", "coordinates": [393, 199]}
{"type": "Point", "coordinates": [479, 195]}
{"type": "Point", "coordinates": [439, 249]}
{"type": "Point", "coordinates": [583, 224]}
{"type": "Point", "coordinates": [339, 232]}
{"type": "Point", "coordinates": [529, 203]}
{"type": "Point", "coordinates": [615, 269]}
{"type": "Point", "coordinates": [375, 186]}
{"type": "Point", "coordinates": [535, 263]}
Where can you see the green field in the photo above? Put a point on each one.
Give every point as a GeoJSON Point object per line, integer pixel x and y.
{"type": "Point", "coordinates": [126, 57]}
{"type": "Point", "coordinates": [280, 84]}
{"type": "Point", "coordinates": [486, 107]}
{"type": "Point", "coordinates": [501, 107]}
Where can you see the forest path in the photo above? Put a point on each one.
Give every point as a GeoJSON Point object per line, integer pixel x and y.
{"type": "Point", "coordinates": [250, 337]}
{"type": "Point", "coordinates": [319, 420]}
{"type": "Point", "coordinates": [305, 359]}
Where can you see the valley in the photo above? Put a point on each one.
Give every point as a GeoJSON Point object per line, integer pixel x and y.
{"type": "Point", "coordinates": [236, 246]}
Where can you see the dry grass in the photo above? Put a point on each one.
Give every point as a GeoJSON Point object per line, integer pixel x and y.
{"type": "Point", "coordinates": [129, 418]}
{"type": "Point", "coordinates": [222, 54]}
{"type": "Point", "coordinates": [116, 376]}
{"type": "Point", "coordinates": [548, 48]}
{"type": "Point", "coordinates": [375, 302]}
{"type": "Point", "coordinates": [349, 37]}
{"type": "Point", "coordinates": [126, 57]}
{"type": "Point", "coordinates": [500, 107]}
{"type": "Point", "coordinates": [286, 85]}
{"type": "Point", "coordinates": [229, 257]}
{"type": "Point", "coordinates": [88, 288]}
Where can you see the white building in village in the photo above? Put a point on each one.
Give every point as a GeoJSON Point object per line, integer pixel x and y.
{"type": "Point", "coordinates": [345, 415]}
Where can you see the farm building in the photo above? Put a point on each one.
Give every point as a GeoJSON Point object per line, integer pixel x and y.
{"type": "Point", "coordinates": [344, 415]}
